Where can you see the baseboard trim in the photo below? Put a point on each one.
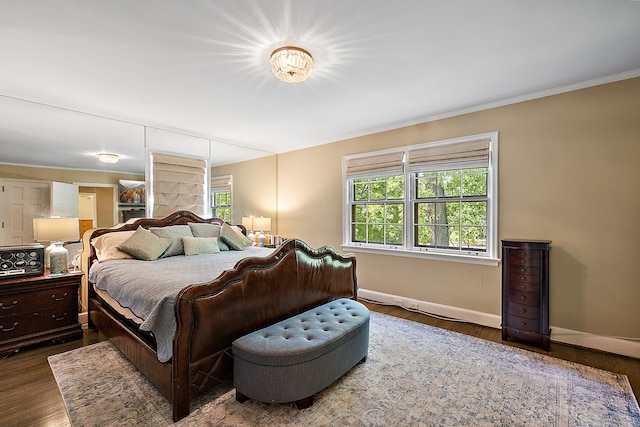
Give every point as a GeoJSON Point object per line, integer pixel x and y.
{"type": "Point", "coordinates": [567, 336]}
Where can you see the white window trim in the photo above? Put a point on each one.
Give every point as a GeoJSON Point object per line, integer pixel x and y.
{"type": "Point", "coordinates": [490, 257]}
{"type": "Point", "coordinates": [213, 189]}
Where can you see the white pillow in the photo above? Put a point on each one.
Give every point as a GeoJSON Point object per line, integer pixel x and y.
{"type": "Point", "coordinates": [106, 246]}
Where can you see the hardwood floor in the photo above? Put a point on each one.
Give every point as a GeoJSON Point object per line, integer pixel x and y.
{"type": "Point", "coordinates": [29, 394]}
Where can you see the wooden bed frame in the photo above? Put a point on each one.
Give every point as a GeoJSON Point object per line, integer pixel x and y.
{"type": "Point", "coordinates": [257, 292]}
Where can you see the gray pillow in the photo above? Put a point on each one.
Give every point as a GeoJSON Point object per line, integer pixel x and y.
{"type": "Point", "coordinates": [200, 245]}
{"type": "Point", "coordinates": [208, 230]}
{"type": "Point", "coordinates": [232, 238]}
{"type": "Point", "coordinates": [144, 245]}
{"type": "Point", "coordinates": [175, 233]}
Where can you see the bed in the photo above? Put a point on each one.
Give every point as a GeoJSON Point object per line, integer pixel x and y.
{"type": "Point", "coordinates": [255, 289]}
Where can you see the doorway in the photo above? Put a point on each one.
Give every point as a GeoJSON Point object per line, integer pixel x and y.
{"type": "Point", "coordinates": [106, 203]}
{"type": "Point", "coordinates": [87, 211]}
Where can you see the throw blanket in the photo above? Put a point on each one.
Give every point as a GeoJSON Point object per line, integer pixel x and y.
{"type": "Point", "coordinates": [149, 288]}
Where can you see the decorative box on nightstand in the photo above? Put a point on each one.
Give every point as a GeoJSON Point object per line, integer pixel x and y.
{"type": "Point", "coordinates": [525, 291]}
{"type": "Point", "coordinates": [38, 308]}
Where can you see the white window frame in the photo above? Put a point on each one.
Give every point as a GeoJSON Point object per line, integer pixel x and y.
{"type": "Point", "coordinates": [408, 249]}
{"type": "Point", "coordinates": [226, 188]}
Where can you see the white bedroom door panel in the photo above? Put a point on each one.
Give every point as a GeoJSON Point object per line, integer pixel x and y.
{"type": "Point", "coordinates": [21, 202]}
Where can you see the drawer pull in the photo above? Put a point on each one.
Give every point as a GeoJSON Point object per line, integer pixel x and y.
{"type": "Point", "coordinates": [524, 286]}
{"type": "Point", "coordinates": [53, 316]}
{"type": "Point", "coordinates": [9, 329]}
{"type": "Point", "coordinates": [523, 261]}
{"type": "Point", "coordinates": [524, 253]}
{"type": "Point", "coordinates": [523, 297]}
{"type": "Point", "coordinates": [59, 299]}
{"type": "Point", "coordinates": [523, 278]}
{"type": "Point", "coordinates": [523, 324]}
{"type": "Point", "coordinates": [523, 270]}
{"type": "Point", "coordinates": [13, 304]}
{"type": "Point", "coordinates": [524, 310]}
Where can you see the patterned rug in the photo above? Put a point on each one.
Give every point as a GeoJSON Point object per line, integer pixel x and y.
{"type": "Point", "coordinates": [414, 375]}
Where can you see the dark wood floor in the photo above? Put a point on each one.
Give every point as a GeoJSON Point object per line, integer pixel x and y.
{"type": "Point", "coordinates": [29, 395]}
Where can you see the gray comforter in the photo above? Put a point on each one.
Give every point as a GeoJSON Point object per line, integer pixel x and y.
{"type": "Point", "coordinates": [149, 288]}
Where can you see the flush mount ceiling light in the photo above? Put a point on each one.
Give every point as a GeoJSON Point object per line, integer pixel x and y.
{"type": "Point", "coordinates": [108, 158]}
{"type": "Point", "coordinates": [291, 64]}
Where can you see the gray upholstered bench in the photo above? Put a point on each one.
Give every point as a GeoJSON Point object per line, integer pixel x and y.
{"type": "Point", "coordinates": [292, 360]}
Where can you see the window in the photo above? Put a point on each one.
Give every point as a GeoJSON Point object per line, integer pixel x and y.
{"type": "Point", "coordinates": [378, 210]}
{"type": "Point", "coordinates": [221, 197]}
{"type": "Point", "coordinates": [450, 209]}
{"type": "Point", "coordinates": [430, 200]}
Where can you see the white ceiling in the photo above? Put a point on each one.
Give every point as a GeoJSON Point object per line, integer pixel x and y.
{"type": "Point", "coordinates": [200, 67]}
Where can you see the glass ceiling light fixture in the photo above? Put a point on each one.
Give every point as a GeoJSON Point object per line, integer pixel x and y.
{"type": "Point", "coordinates": [291, 64]}
{"type": "Point", "coordinates": [108, 158]}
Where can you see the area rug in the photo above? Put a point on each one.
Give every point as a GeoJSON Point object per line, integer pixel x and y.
{"type": "Point", "coordinates": [414, 375]}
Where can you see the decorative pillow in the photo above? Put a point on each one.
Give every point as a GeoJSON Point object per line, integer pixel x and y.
{"type": "Point", "coordinates": [236, 241]}
{"type": "Point", "coordinates": [247, 241]}
{"type": "Point", "coordinates": [175, 233]}
{"type": "Point", "coordinates": [145, 245]}
{"type": "Point", "coordinates": [200, 245]}
{"type": "Point", "coordinates": [208, 230]}
{"type": "Point", "coordinates": [106, 246]}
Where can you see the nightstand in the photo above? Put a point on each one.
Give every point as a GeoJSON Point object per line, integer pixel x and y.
{"type": "Point", "coordinates": [34, 309]}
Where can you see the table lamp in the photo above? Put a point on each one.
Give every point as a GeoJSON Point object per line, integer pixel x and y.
{"type": "Point", "coordinates": [263, 224]}
{"type": "Point", "coordinates": [247, 221]}
{"type": "Point", "coordinates": [56, 231]}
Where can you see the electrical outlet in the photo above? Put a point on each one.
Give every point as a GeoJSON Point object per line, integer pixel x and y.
{"type": "Point", "coordinates": [413, 305]}
{"type": "Point", "coordinates": [399, 302]}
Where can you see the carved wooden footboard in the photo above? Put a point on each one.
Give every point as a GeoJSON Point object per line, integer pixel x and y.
{"type": "Point", "coordinates": [257, 292]}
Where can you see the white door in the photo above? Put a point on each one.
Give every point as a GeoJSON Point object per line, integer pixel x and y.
{"type": "Point", "coordinates": [20, 202]}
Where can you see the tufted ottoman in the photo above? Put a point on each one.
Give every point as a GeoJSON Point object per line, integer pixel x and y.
{"type": "Point", "coordinates": [292, 360]}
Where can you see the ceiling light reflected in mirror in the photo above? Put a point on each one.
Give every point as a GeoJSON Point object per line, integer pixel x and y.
{"type": "Point", "coordinates": [108, 158]}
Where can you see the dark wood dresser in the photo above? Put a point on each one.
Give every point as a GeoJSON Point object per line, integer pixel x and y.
{"type": "Point", "coordinates": [525, 291]}
{"type": "Point", "coordinates": [38, 308]}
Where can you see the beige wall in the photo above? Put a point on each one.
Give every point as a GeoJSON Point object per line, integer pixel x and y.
{"type": "Point", "coordinates": [569, 173]}
{"type": "Point", "coordinates": [64, 175]}
{"type": "Point", "coordinates": [254, 188]}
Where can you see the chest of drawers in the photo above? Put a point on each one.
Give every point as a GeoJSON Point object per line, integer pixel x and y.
{"type": "Point", "coordinates": [38, 308]}
{"type": "Point", "coordinates": [525, 291]}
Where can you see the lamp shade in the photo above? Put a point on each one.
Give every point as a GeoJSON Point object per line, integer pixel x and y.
{"type": "Point", "coordinates": [247, 221]}
{"type": "Point", "coordinates": [262, 224]}
{"type": "Point", "coordinates": [56, 229]}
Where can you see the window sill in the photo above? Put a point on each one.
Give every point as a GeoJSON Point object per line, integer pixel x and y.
{"type": "Point", "coordinates": [468, 259]}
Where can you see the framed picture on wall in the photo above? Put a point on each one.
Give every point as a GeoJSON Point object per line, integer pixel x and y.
{"type": "Point", "coordinates": [131, 193]}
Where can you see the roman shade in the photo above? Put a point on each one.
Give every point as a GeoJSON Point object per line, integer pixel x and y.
{"type": "Point", "coordinates": [474, 153]}
{"type": "Point", "coordinates": [221, 183]}
{"type": "Point", "coordinates": [179, 183]}
{"type": "Point", "coordinates": [387, 164]}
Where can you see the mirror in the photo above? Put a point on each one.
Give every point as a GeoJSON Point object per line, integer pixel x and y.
{"type": "Point", "coordinates": [65, 143]}
{"type": "Point", "coordinates": [44, 136]}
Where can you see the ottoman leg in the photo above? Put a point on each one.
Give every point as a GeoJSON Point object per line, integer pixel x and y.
{"type": "Point", "coordinates": [241, 397]}
{"type": "Point", "coordinates": [304, 403]}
